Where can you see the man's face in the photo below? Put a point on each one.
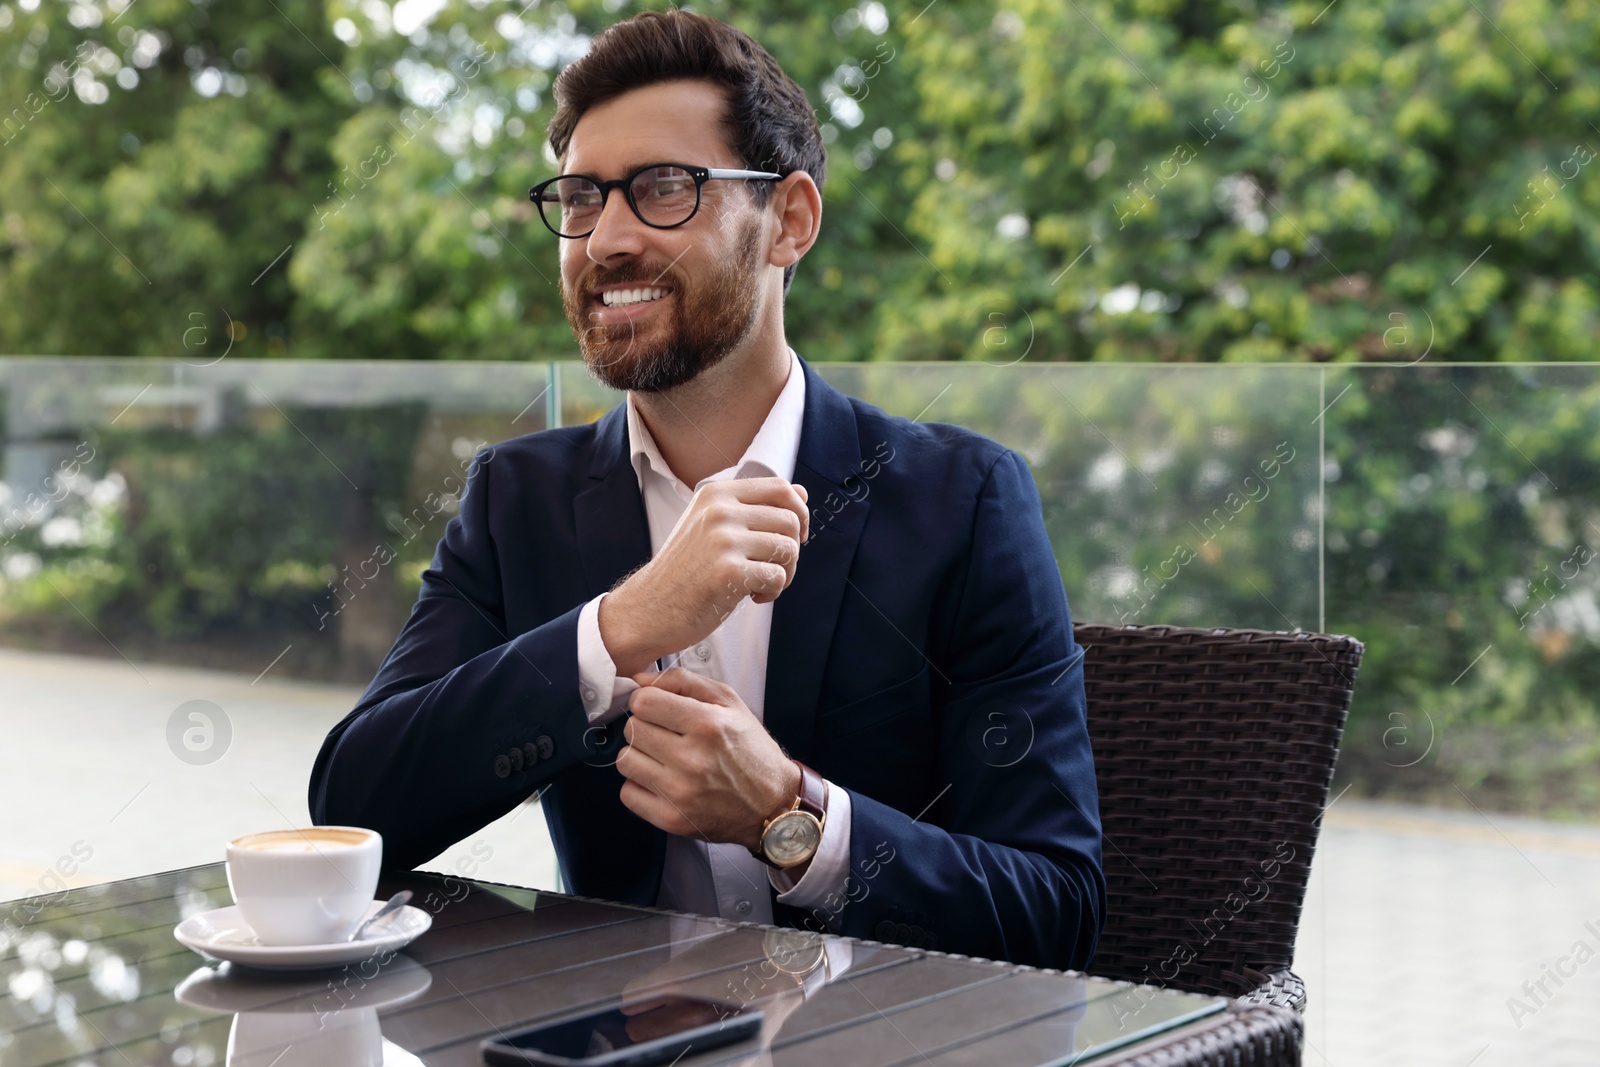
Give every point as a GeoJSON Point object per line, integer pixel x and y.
{"type": "Point", "coordinates": [710, 267]}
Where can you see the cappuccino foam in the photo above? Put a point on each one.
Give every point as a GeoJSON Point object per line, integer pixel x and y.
{"type": "Point", "coordinates": [313, 840]}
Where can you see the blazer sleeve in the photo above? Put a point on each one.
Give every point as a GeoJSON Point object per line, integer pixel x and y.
{"type": "Point", "coordinates": [1006, 861]}
{"type": "Point", "coordinates": [461, 722]}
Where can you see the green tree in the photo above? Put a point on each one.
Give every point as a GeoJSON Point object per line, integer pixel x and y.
{"type": "Point", "coordinates": [1249, 184]}
{"type": "Point", "coordinates": [154, 164]}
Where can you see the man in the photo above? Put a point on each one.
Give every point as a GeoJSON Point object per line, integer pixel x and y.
{"type": "Point", "coordinates": [825, 586]}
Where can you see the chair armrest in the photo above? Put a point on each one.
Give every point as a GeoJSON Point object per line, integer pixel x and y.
{"type": "Point", "coordinates": [1246, 1035]}
{"type": "Point", "coordinates": [1281, 989]}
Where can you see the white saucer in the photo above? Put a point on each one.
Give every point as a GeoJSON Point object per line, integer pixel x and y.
{"type": "Point", "coordinates": [227, 988]}
{"type": "Point", "coordinates": [222, 933]}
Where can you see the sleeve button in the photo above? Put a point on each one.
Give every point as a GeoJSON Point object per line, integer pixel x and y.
{"type": "Point", "coordinates": [547, 747]}
{"type": "Point", "coordinates": [530, 754]}
{"type": "Point", "coordinates": [502, 767]}
{"type": "Point", "coordinates": [515, 757]}
{"type": "Point", "coordinates": [885, 930]}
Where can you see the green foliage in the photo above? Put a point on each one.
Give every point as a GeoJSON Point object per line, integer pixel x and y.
{"type": "Point", "coordinates": [1464, 548]}
{"type": "Point", "coordinates": [1152, 180]}
{"type": "Point", "coordinates": [240, 530]}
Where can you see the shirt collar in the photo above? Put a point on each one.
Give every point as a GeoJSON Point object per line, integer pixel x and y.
{"type": "Point", "coordinates": [772, 452]}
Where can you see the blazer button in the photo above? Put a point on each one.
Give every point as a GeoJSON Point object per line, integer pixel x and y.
{"type": "Point", "coordinates": [547, 747]}
{"type": "Point", "coordinates": [902, 933]}
{"type": "Point", "coordinates": [515, 756]}
{"type": "Point", "coordinates": [502, 767]}
{"type": "Point", "coordinates": [530, 754]}
{"type": "Point", "coordinates": [885, 930]}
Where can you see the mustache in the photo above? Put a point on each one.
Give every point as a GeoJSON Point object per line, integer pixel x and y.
{"type": "Point", "coordinates": [597, 282]}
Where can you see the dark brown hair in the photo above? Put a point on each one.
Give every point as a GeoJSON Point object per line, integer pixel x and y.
{"type": "Point", "coordinates": [767, 119]}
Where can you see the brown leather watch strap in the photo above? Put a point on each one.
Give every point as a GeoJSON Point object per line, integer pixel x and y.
{"type": "Point", "coordinates": [813, 791]}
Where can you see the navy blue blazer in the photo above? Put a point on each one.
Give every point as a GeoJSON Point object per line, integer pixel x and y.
{"type": "Point", "coordinates": [922, 659]}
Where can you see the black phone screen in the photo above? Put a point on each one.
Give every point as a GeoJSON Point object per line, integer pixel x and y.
{"type": "Point", "coordinates": [614, 1029]}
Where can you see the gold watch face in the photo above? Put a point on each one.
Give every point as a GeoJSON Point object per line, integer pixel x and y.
{"type": "Point", "coordinates": [792, 838]}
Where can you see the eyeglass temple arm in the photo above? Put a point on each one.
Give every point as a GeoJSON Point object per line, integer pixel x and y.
{"type": "Point", "coordinates": [716, 172]}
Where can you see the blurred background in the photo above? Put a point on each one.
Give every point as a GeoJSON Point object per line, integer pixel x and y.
{"type": "Point", "coordinates": [1292, 308]}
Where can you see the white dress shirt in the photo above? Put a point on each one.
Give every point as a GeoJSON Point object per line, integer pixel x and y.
{"type": "Point", "coordinates": [720, 879]}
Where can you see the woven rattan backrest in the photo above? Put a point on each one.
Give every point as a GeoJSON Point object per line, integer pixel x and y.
{"type": "Point", "coordinates": [1214, 750]}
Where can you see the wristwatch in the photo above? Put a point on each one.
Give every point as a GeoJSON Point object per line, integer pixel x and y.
{"type": "Point", "coordinates": [791, 837]}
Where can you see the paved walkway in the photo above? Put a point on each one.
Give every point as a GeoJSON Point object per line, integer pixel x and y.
{"type": "Point", "coordinates": [90, 782]}
{"type": "Point", "coordinates": [1421, 928]}
{"type": "Point", "coordinates": [1428, 937]}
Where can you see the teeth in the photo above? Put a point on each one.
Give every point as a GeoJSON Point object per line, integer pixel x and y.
{"type": "Point", "coordinates": [621, 297]}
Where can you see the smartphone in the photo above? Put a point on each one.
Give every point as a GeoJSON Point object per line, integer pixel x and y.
{"type": "Point", "coordinates": [640, 1033]}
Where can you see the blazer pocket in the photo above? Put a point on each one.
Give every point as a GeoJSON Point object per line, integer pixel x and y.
{"type": "Point", "coordinates": [909, 694]}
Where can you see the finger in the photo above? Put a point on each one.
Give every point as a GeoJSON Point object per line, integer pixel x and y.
{"type": "Point", "coordinates": [657, 810]}
{"type": "Point", "coordinates": [645, 803]}
{"type": "Point", "coordinates": [666, 709]}
{"type": "Point", "coordinates": [684, 682]}
{"type": "Point", "coordinates": [774, 492]}
{"type": "Point", "coordinates": [657, 742]}
{"type": "Point", "coordinates": [765, 581]}
{"type": "Point", "coordinates": [764, 518]}
{"type": "Point", "coordinates": [805, 499]}
{"type": "Point", "coordinates": [642, 769]}
{"type": "Point", "coordinates": [769, 565]}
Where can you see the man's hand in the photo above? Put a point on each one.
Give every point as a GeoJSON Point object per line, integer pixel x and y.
{"type": "Point", "coordinates": [698, 763]}
{"type": "Point", "coordinates": [738, 538]}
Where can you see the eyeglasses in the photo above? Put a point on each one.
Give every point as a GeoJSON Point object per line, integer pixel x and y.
{"type": "Point", "coordinates": [663, 195]}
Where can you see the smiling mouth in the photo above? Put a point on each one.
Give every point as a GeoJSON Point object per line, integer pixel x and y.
{"type": "Point", "coordinates": [633, 297]}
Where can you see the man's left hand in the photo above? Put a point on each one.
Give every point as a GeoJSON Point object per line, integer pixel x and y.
{"type": "Point", "coordinates": [698, 763]}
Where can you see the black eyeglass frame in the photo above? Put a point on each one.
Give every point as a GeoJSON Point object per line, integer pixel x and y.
{"type": "Point", "coordinates": [701, 175]}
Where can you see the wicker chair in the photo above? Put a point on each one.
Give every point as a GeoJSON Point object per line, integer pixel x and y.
{"type": "Point", "coordinates": [1214, 750]}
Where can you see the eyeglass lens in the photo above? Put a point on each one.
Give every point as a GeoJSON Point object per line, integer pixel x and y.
{"type": "Point", "coordinates": [663, 196]}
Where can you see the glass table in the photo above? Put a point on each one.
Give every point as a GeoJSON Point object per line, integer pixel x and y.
{"type": "Point", "coordinates": [95, 976]}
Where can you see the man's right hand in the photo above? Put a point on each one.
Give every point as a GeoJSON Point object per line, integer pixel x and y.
{"type": "Point", "coordinates": [738, 538]}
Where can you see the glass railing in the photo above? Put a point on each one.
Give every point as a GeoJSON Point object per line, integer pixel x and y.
{"type": "Point", "coordinates": [1443, 514]}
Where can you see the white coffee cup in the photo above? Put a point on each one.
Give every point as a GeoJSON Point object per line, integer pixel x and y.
{"type": "Point", "coordinates": [305, 887]}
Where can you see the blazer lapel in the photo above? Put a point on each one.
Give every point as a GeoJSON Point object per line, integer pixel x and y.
{"type": "Point", "coordinates": [612, 529]}
{"type": "Point", "coordinates": [804, 615]}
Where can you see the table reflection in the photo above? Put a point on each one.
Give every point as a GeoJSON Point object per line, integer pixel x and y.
{"type": "Point", "coordinates": [327, 1019]}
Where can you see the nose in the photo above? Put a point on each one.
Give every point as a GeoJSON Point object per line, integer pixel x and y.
{"type": "Point", "coordinates": [617, 232]}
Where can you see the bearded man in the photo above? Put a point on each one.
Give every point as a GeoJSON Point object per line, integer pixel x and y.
{"type": "Point", "coordinates": [769, 653]}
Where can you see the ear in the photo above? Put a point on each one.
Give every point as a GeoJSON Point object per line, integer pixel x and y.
{"type": "Point", "coordinates": [795, 211]}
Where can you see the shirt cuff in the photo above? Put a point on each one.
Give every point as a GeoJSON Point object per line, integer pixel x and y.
{"type": "Point", "coordinates": [605, 696]}
{"type": "Point", "coordinates": [830, 867]}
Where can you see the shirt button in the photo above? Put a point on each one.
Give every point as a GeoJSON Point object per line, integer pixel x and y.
{"type": "Point", "coordinates": [743, 907]}
{"type": "Point", "coordinates": [702, 651]}
{"type": "Point", "coordinates": [588, 694]}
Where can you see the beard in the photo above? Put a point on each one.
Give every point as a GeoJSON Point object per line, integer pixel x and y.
{"type": "Point", "coordinates": [708, 320]}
